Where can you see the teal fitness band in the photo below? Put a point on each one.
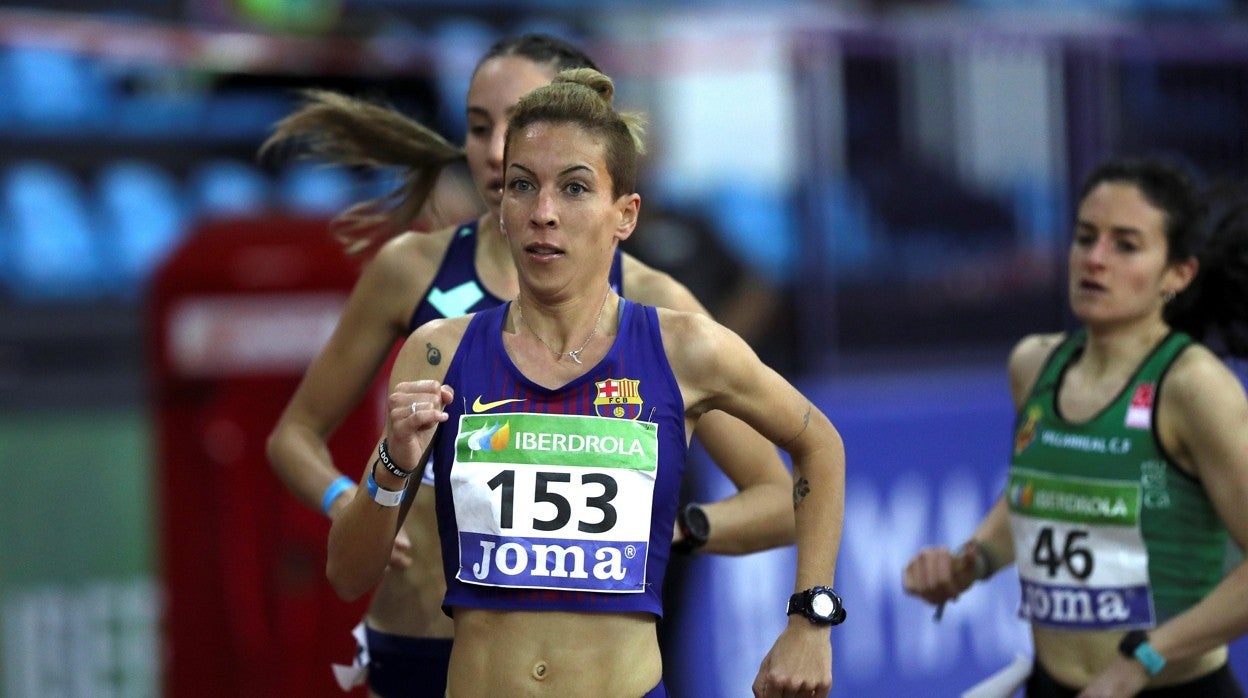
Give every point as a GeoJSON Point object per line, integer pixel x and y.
{"type": "Point", "coordinates": [1153, 662]}
{"type": "Point", "coordinates": [1135, 646]}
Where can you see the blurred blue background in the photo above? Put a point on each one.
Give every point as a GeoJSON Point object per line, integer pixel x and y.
{"type": "Point", "coordinates": [875, 194]}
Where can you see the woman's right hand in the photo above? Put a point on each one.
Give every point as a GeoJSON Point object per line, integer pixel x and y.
{"type": "Point", "coordinates": [416, 408]}
{"type": "Point", "coordinates": [937, 575]}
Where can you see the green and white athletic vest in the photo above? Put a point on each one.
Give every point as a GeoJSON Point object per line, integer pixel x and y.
{"type": "Point", "coordinates": [1108, 532]}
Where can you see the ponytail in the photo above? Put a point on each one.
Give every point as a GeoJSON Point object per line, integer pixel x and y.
{"type": "Point", "coordinates": [355, 133]}
{"type": "Point", "coordinates": [1214, 307]}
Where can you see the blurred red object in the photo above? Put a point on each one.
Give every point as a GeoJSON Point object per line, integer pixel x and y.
{"type": "Point", "coordinates": [235, 315]}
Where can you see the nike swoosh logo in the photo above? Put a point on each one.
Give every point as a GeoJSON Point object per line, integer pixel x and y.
{"type": "Point", "coordinates": [478, 406]}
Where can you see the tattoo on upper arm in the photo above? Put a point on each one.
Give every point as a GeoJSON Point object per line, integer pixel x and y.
{"type": "Point", "coordinates": [432, 354]}
{"type": "Point", "coordinates": [805, 423]}
{"type": "Point", "coordinates": [801, 488]}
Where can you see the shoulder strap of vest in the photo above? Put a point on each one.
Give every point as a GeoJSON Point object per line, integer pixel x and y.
{"type": "Point", "coordinates": [1058, 359]}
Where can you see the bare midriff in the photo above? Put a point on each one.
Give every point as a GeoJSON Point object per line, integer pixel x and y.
{"type": "Point", "coordinates": [1075, 658]}
{"type": "Point", "coordinates": [553, 653]}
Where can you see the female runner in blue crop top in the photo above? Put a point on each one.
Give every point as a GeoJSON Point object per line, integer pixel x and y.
{"type": "Point", "coordinates": [571, 409]}
{"type": "Point", "coordinates": [445, 273]}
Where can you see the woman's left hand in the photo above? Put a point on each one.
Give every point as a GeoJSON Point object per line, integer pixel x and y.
{"type": "Point", "coordinates": [799, 665]}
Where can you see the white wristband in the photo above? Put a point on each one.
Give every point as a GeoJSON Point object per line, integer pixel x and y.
{"type": "Point", "coordinates": [386, 498]}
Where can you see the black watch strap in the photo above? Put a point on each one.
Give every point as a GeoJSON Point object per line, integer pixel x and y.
{"type": "Point", "coordinates": [1130, 642]}
{"type": "Point", "coordinates": [1134, 645]}
{"type": "Point", "coordinates": [695, 528]}
{"type": "Point", "coordinates": [819, 605]}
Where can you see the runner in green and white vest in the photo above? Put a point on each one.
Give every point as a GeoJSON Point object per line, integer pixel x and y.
{"type": "Point", "coordinates": [1130, 452]}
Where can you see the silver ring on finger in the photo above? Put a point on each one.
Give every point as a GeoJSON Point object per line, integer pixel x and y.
{"type": "Point", "coordinates": [413, 408]}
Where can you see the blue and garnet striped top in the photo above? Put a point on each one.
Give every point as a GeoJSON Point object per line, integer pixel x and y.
{"type": "Point", "coordinates": [560, 499]}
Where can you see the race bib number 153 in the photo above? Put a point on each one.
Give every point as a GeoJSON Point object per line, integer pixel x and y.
{"type": "Point", "coordinates": [554, 501]}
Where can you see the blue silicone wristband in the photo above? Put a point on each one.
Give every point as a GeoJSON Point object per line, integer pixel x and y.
{"type": "Point", "coordinates": [337, 487]}
{"type": "Point", "coordinates": [384, 497]}
{"type": "Point", "coordinates": [1152, 661]}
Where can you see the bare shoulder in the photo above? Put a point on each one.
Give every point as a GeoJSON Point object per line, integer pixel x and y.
{"type": "Point", "coordinates": [647, 285]}
{"type": "Point", "coordinates": [398, 274]}
{"type": "Point", "coordinates": [697, 345]}
{"type": "Point", "coordinates": [1034, 349]}
{"type": "Point", "coordinates": [414, 248]}
{"type": "Point", "coordinates": [1027, 358]}
{"type": "Point", "coordinates": [1201, 414]}
{"type": "Point", "coordinates": [1198, 376]}
{"type": "Point", "coordinates": [430, 347]}
{"type": "Point", "coordinates": [442, 329]}
{"type": "Point", "coordinates": [685, 322]}
{"type": "Point", "coordinates": [411, 258]}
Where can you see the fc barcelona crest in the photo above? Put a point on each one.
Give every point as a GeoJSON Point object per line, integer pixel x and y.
{"type": "Point", "coordinates": [618, 397]}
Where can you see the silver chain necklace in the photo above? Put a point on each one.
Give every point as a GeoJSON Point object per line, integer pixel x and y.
{"type": "Point", "coordinates": [575, 354]}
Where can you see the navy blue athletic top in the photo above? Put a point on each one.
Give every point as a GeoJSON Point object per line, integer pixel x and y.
{"type": "Point", "coordinates": [560, 499]}
{"type": "Point", "coordinates": [457, 290]}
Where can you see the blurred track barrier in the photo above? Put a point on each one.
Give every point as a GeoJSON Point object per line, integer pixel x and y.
{"type": "Point", "coordinates": [78, 603]}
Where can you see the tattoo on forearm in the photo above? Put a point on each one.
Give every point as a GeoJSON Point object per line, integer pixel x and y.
{"type": "Point", "coordinates": [801, 488]}
{"type": "Point", "coordinates": [805, 423]}
{"type": "Point", "coordinates": [432, 355]}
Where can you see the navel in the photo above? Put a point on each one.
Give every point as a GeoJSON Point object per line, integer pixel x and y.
{"type": "Point", "coordinates": [540, 671]}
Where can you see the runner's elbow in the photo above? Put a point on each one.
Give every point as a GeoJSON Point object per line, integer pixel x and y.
{"type": "Point", "coordinates": [346, 585]}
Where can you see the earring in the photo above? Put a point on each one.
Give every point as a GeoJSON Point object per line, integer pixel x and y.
{"type": "Point", "coordinates": [1167, 296]}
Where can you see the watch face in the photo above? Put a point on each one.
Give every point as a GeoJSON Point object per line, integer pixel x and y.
{"type": "Point", "coordinates": [698, 526]}
{"type": "Point", "coordinates": [698, 522]}
{"type": "Point", "coordinates": [822, 605]}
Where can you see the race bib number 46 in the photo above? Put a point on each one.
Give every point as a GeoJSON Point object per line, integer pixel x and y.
{"type": "Point", "coordinates": [1080, 553]}
{"type": "Point", "coordinates": [554, 501]}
